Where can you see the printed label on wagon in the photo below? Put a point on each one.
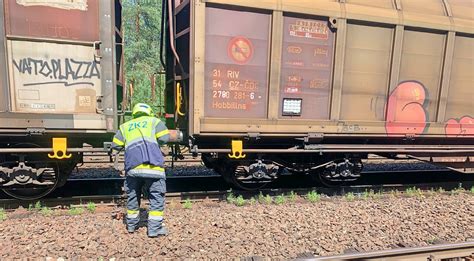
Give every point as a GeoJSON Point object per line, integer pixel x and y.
{"type": "Point", "coordinates": [309, 29]}
{"type": "Point", "coordinates": [61, 4]}
{"type": "Point", "coordinates": [306, 66]}
{"type": "Point", "coordinates": [240, 50]}
{"type": "Point", "coordinates": [236, 68]}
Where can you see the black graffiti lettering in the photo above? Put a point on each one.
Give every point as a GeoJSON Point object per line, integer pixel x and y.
{"type": "Point", "coordinates": [68, 70]}
{"type": "Point", "coordinates": [18, 66]}
{"type": "Point", "coordinates": [25, 66]}
{"type": "Point", "coordinates": [94, 71]}
{"type": "Point", "coordinates": [60, 72]}
{"type": "Point", "coordinates": [86, 70]}
{"type": "Point", "coordinates": [78, 68]}
{"type": "Point", "coordinates": [35, 64]}
{"type": "Point", "coordinates": [55, 66]}
{"type": "Point", "coordinates": [45, 70]}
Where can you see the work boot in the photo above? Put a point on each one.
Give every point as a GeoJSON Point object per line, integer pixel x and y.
{"type": "Point", "coordinates": [162, 231]}
{"type": "Point", "coordinates": [131, 230]}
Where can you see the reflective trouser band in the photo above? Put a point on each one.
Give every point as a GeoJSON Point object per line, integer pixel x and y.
{"type": "Point", "coordinates": [149, 167]}
{"type": "Point", "coordinates": [151, 171]}
{"type": "Point", "coordinates": [155, 215]}
{"type": "Point", "coordinates": [132, 213]}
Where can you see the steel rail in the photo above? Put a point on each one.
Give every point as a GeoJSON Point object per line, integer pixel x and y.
{"type": "Point", "coordinates": [435, 252]}
{"type": "Point", "coordinates": [217, 195]}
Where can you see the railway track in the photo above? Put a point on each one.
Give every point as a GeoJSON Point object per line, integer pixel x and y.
{"type": "Point", "coordinates": [198, 188]}
{"type": "Point", "coordinates": [456, 251]}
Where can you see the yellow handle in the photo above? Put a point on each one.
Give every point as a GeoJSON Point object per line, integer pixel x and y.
{"type": "Point", "coordinates": [178, 100]}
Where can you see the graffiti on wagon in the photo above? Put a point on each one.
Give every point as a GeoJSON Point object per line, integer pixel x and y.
{"type": "Point", "coordinates": [66, 71]}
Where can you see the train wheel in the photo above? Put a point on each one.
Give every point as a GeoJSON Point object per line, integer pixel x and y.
{"type": "Point", "coordinates": [254, 176]}
{"type": "Point", "coordinates": [33, 176]}
{"type": "Point", "coordinates": [241, 179]}
{"type": "Point", "coordinates": [31, 191]}
{"type": "Point", "coordinates": [339, 173]}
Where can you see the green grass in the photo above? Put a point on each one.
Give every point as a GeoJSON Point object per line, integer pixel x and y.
{"type": "Point", "coordinates": [370, 194]}
{"type": "Point", "coordinates": [414, 192]}
{"type": "Point", "coordinates": [458, 190]}
{"type": "Point", "coordinates": [431, 192]}
{"type": "Point", "coordinates": [231, 198]}
{"type": "Point", "coordinates": [3, 214]}
{"type": "Point", "coordinates": [261, 198]}
{"type": "Point", "coordinates": [268, 199]}
{"type": "Point", "coordinates": [35, 207]}
{"type": "Point", "coordinates": [188, 204]}
{"type": "Point", "coordinates": [350, 196]}
{"type": "Point", "coordinates": [313, 196]}
{"type": "Point", "coordinates": [441, 190]}
{"type": "Point", "coordinates": [292, 196]}
{"type": "Point", "coordinates": [252, 201]}
{"type": "Point", "coordinates": [91, 207]}
{"type": "Point", "coordinates": [240, 201]}
{"type": "Point", "coordinates": [472, 190]}
{"type": "Point", "coordinates": [280, 199]}
{"type": "Point", "coordinates": [431, 241]}
{"type": "Point", "coordinates": [74, 211]}
{"type": "Point", "coordinates": [46, 211]}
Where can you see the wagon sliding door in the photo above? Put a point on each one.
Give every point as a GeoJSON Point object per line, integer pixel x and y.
{"type": "Point", "coordinates": [237, 51]}
{"type": "Point", "coordinates": [51, 55]}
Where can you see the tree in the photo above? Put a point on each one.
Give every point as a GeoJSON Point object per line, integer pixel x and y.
{"type": "Point", "coordinates": [142, 25]}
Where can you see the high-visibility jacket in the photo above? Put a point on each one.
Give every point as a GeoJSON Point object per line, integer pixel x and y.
{"type": "Point", "coordinates": [141, 138]}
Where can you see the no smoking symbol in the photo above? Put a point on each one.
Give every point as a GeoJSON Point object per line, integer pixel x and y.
{"type": "Point", "coordinates": [240, 50]}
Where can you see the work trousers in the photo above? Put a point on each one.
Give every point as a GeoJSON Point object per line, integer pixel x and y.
{"type": "Point", "coordinates": [156, 193]}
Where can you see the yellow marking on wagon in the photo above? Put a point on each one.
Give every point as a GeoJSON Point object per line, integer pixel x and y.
{"type": "Point", "coordinates": [60, 149]}
{"type": "Point", "coordinates": [237, 148]}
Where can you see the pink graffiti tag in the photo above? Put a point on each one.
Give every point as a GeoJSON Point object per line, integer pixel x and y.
{"type": "Point", "coordinates": [406, 111]}
{"type": "Point", "coordinates": [460, 127]}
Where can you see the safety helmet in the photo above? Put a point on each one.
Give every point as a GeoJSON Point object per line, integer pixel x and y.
{"type": "Point", "coordinates": [141, 109]}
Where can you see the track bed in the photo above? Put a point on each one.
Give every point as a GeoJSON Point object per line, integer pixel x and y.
{"type": "Point", "coordinates": [217, 230]}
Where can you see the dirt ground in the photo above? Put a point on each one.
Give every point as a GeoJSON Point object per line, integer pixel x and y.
{"type": "Point", "coordinates": [222, 230]}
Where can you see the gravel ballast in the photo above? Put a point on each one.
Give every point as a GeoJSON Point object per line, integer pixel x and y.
{"type": "Point", "coordinates": [219, 229]}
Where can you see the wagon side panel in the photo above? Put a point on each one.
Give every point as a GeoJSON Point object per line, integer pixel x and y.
{"type": "Point", "coordinates": [61, 71]}
{"type": "Point", "coordinates": [386, 69]}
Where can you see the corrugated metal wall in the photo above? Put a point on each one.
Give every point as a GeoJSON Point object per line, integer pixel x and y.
{"type": "Point", "coordinates": [354, 62]}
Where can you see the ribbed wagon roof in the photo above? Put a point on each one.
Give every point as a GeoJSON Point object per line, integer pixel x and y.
{"type": "Point", "coordinates": [446, 15]}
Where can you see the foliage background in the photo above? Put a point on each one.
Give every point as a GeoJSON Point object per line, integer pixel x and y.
{"type": "Point", "coordinates": [141, 21]}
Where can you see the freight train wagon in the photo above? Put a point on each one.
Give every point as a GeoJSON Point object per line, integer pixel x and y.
{"type": "Point", "coordinates": [314, 86]}
{"type": "Point", "coordinates": [60, 87]}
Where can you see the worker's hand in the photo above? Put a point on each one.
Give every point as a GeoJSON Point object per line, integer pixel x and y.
{"type": "Point", "coordinates": [165, 150]}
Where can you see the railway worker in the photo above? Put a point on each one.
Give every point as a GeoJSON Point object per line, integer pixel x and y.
{"type": "Point", "coordinates": [144, 166]}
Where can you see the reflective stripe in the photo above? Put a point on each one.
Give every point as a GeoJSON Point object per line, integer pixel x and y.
{"type": "Point", "coordinates": [159, 218]}
{"type": "Point", "coordinates": [118, 142]}
{"type": "Point", "coordinates": [162, 133]}
{"type": "Point", "coordinates": [140, 140]}
{"type": "Point", "coordinates": [150, 167]}
{"type": "Point", "coordinates": [147, 173]}
{"type": "Point", "coordinates": [132, 213]}
{"type": "Point", "coordinates": [155, 213]}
